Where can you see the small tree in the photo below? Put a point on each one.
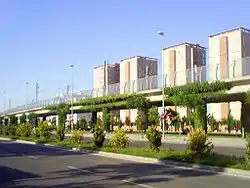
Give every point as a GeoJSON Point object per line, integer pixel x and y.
{"type": "Point", "coordinates": [199, 144]}
{"type": "Point", "coordinates": [153, 116]}
{"type": "Point", "coordinates": [44, 130]}
{"type": "Point", "coordinates": [77, 137]}
{"type": "Point", "coordinates": [24, 129]}
{"type": "Point", "coordinates": [99, 137]}
{"type": "Point", "coordinates": [60, 132]}
{"type": "Point", "coordinates": [127, 121]}
{"type": "Point", "coordinates": [142, 104]}
{"type": "Point", "coordinates": [212, 122]}
{"type": "Point", "coordinates": [22, 119]}
{"type": "Point", "coordinates": [105, 119]}
{"type": "Point", "coordinates": [230, 122]}
{"type": "Point", "coordinates": [83, 123]}
{"type": "Point", "coordinates": [112, 121]}
{"type": "Point", "coordinates": [154, 138]}
{"type": "Point", "coordinates": [32, 117]}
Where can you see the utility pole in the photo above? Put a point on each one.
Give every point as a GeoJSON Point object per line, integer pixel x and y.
{"type": "Point", "coordinates": [9, 103]}
{"type": "Point", "coordinates": [37, 91]}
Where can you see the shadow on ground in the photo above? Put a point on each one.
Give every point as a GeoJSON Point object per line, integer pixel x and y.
{"type": "Point", "coordinates": [104, 176]}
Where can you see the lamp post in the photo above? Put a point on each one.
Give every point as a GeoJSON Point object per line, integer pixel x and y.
{"type": "Point", "coordinates": [72, 89]}
{"type": "Point", "coordinates": [26, 93]}
{"type": "Point", "coordinates": [161, 33]}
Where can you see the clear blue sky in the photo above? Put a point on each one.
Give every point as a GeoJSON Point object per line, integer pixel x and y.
{"type": "Point", "coordinates": [39, 39]}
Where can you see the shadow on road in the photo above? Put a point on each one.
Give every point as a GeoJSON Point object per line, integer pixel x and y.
{"type": "Point", "coordinates": [104, 176]}
{"type": "Point", "coordinates": [8, 175]}
{"type": "Point", "coordinates": [18, 149]}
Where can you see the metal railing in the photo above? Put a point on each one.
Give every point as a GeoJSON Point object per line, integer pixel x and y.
{"type": "Point", "coordinates": [237, 68]}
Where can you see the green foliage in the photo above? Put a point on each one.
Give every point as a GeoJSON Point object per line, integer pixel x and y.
{"type": "Point", "coordinates": [6, 130]}
{"type": "Point", "coordinates": [119, 140]}
{"type": "Point", "coordinates": [44, 130]}
{"type": "Point", "coordinates": [199, 144]}
{"type": "Point", "coordinates": [24, 129]}
{"type": "Point", "coordinates": [10, 130]}
{"type": "Point", "coordinates": [139, 121]}
{"type": "Point", "coordinates": [139, 101]}
{"type": "Point", "coordinates": [76, 137]}
{"type": "Point", "coordinates": [248, 147]}
{"type": "Point", "coordinates": [200, 116]}
{"type": "Point", "coordinates": [62, 110]}
{"type": "Point", "coordinates": [13, 120]}
{"type": "Point", "coordinates": [198, 87]}
{"type": "Point", "coordinates": [99, 137]}
{"type": "Point", "coordinates": [112, 121]}
{"type": "Point", "coordinates": [103, 100]}
{"type": "Point", "coordinates": [22, 119]}
{"type": "Point", "coordinates": [37, 131]}
{"type": "Point", "coordinates": [32, 117]}
{"type": "Point", "coordinates": [83, 124]}
{"type": "Point", "coordinates": [99, 122]}
{"type": "Point", "coordinates": [230, 121]}
{"type": "Point", "coordinates": [99, 107]}
{"type": "Point", "coordinates": [60, 133]}
{"type": "Point", "coordinates": [127, 121]}
{"type": "Point", "coordinates": [153, 116]}
{"type": "Point", "coordinates": [247, 97]}
{"type": "Point", "coordinates": [212, 122]}
{"type": "Point", "coordinates": [154, 138]}
{"type": "Point", "coordinates": [105, 119]}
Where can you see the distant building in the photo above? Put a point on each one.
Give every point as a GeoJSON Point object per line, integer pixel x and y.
{"type": "Point", "coordinates": [184, 63]}
{"type": "Point", "coordinates": [106, 79]}
{"type": "Point", "coordinates": [229, 53]}
{"type": "Point", "coordinates": [137, 73]}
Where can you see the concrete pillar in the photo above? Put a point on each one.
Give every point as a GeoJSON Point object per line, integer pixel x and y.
{"type": "Point", "coordinates": [245, 117]}
{"type": "Point", "coordinates": [44, 118]}
{"type": "Point", "coordinates": [94, 117]}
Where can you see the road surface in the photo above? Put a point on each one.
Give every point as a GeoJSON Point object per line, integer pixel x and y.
{"type": "Point", "coordinates": [31, 166]}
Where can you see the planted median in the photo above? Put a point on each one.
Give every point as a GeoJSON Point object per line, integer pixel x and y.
{"type": "Point", "coordinates": [200, 148]}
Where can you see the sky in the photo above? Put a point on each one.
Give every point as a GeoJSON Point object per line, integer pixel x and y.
{"type": "Point", "coordinates": [39, 39]}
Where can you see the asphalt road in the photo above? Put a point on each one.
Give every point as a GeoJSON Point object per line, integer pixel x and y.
{"type": "Point", "coordinates": [181, 147]}
{"type": "Point", "coordinates": [31, 166]}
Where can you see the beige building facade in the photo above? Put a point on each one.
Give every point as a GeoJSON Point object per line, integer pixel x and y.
{"type": "Point", "coordinates": [184, 63]}
{"type": "Point", "coordinates": [106, 79]}
{"type": "Point", "coordinates": [136, 74]}
{"type": "Point", "coordinates": [228, 58]}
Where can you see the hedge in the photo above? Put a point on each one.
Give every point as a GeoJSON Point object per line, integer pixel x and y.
{"type": "Point", "coordinates": [198, 87]}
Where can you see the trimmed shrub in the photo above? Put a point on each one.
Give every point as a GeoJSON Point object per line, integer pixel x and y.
{"type": "Point", "coordinates": [60, 133]}
{"type": "Point", "coordinates": [37, 131]}
{"type": "Point", "coordinates": [199, 144]}
{"type": "Point", "coordinates": [76, 137]}
{"type": "Point", "coordinates": [6, 130]}
{"type": "Point", "coordinates": [119, 140]}
{"type": "Point", "coordinates": [153, 116]}
{"type": "Point", "coordinates": [24, 130]}
{"type": "Point", "coordinates": [99, 137]}
{"type": "Point", "coordinates": [44, 130]}
{"type": "Point", "coordinates": [154, 138]}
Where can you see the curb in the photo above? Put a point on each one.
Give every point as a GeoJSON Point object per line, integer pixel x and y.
{"type": "Point", "coordinates": [138, 159]}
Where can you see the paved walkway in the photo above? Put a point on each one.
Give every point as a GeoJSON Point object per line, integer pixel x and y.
{"type": "Point", "coordinates": [182, 139]}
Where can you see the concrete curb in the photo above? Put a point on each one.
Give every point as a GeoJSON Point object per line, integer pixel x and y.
{"type": "Point", "coordinates": [25, 142]}
{"type": "Point", "coordinates": [138, 159]}
{"type": "Point", "coordinates": [2, 138]}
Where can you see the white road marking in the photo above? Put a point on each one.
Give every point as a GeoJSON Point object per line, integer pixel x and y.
{"type": "Point", "coordinates": [138, 184]}
{"type": "Point", "coordinates": [81, 170]}
{"type": "Point", "coordinates": [32, 157]}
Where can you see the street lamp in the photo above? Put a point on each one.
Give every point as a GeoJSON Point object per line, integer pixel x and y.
{"type": "Point", "coordinates": [72, 89]}
{"type": "Point", "coordinates": [161, 33]}
{"type": "Point", "coordinates": [26, 92]}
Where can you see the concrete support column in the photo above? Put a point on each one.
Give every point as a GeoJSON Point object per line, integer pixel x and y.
{"type": "Point", "coordinates": [94, 117]}
{"type": "Point", "coordinates": [245, 118]}
{"type": "Point", "coordinates": [44, 118]}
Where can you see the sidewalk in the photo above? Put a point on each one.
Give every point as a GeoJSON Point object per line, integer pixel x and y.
{"type": "Point", "coordinates": [182, 139]}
